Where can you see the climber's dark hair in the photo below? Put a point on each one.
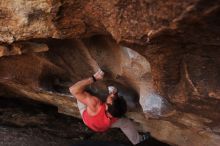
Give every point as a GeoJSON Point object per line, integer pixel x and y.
{"type": "Point", "coordinates": [118, 107]}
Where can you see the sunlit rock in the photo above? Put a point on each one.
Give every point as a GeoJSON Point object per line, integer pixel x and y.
{"type": "Point", "coordinates": [162, 55]}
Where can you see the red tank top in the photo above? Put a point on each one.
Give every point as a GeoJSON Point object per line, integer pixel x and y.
{"type": "Point", "coordinates": [99, 122]}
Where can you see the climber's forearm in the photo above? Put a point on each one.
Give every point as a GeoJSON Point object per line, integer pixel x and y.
{"type": "Point", "coordinates": [78, 89]}
{"type": "Point", "coordinates": [79, 86]}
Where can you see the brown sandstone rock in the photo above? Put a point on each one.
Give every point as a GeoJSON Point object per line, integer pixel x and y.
{"type": "Point", "coordinates": [22, 48]}
{"type": "Point", "coordinates": [3, 51]}
{"type": "Point", "coordinates": [167, 51]}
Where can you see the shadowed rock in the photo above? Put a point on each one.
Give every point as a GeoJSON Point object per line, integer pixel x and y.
{"type": "Point", "coordinates": [166, 52]}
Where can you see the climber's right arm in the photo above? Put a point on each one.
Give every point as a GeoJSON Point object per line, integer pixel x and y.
{"type": "Point", "coordinates": [78, 90]}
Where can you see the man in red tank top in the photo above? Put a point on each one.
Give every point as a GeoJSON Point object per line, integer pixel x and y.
{"type": "Point", "coordinates": [100, 116]}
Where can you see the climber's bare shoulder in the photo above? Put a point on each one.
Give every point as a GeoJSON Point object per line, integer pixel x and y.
{"type": "Point", "coordinates": [93, 103]}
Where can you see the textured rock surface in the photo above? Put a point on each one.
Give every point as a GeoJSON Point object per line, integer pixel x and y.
{"type": "Point", "coordinates": [174, 52]}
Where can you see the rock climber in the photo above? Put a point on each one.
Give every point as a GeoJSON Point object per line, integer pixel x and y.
{"type": "Point", "coordinates": [99, 116]}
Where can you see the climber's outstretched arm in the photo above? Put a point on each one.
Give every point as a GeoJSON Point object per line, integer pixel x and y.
{"type": "Point", "coordinates": [78, 90]}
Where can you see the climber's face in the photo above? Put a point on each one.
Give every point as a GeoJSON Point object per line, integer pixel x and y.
{"type": "Point", "coordinates": [110, 98]}
{"type": "Point", "coordinates": [109, 102]}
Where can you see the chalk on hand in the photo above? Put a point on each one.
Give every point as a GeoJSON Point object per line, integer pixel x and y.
{"type": "Point", "coordinates": [112, 90]}
{"type": "Point", "coordinates": [101, 72]}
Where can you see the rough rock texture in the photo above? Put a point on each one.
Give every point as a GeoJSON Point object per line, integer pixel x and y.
{"type": "Point", "coordinates": [164, 54]}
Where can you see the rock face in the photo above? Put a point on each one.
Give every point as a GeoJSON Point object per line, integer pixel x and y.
{"type": "Point", "coordinates": [162, 55]}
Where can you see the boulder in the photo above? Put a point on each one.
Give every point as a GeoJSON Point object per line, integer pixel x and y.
{"type": "Point", "coordinates": [162, 55]}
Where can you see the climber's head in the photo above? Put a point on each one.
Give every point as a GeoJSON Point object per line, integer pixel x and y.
{"type": "Point", "coordinates": [116, 105]}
